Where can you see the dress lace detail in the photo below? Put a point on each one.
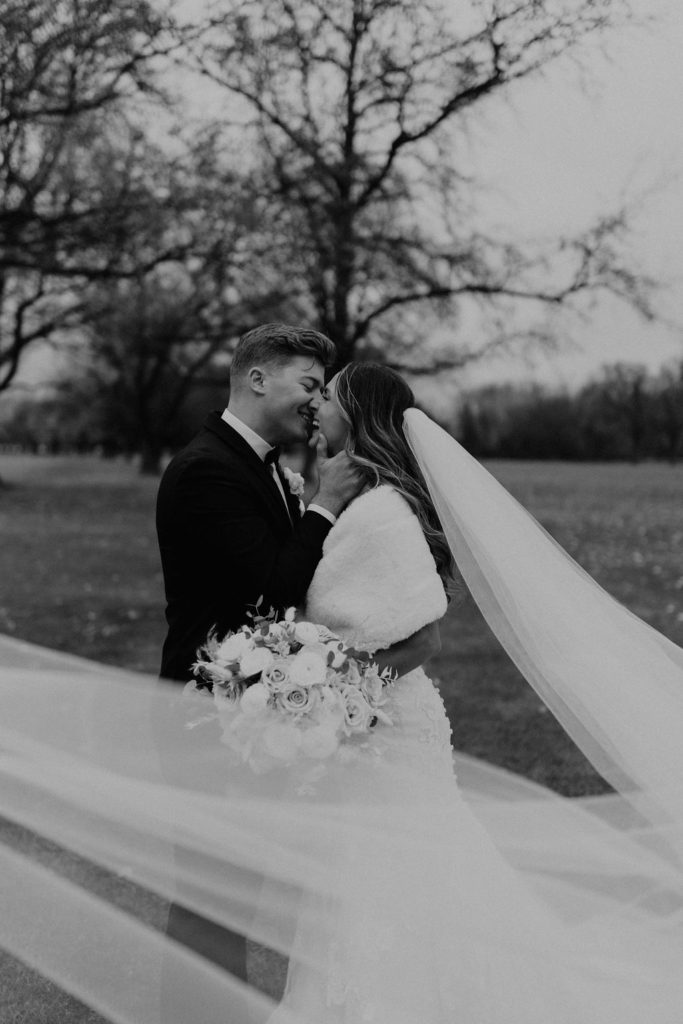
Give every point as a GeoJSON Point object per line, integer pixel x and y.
{"type": "Point", "coordinates": [420, 736]}
{"type": "Point", "coordinates": [438, 730]}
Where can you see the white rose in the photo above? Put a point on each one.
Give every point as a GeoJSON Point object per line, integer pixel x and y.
{"type": "Point", "coordinates": [307, 669]}
{"type": "Point", "coordinates": [319, 741]}
{"type": "Point", "coordinates": [254, 699]}
{"type": "Point", "coordinates": [306, 633]}
{"type": "Point", "coordinates": [233, 647]}
{"type": "Point", "coordinates": [282, 741]}
{"type": "Point", "coordinates": [255, 661]}
{"type": "Point", "coordinates": [357, 712]}
{"type": "Point", "coordinates": [276, 675]}
{"type": "Point", "coordinates": [290, 614]}
{"type": "Point", "coordinates": [298, 699]}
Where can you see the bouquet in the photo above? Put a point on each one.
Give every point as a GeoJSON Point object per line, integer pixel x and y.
{"type": "Point", "coordinates": [287, 690]}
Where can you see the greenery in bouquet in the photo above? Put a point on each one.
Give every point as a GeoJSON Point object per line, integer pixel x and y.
{"type": "Point", "coordinates": [285, 690]}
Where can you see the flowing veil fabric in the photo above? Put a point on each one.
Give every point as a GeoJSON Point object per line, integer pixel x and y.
{"type": "Point", "coordinates": [614, 683]}
{"type": "Point", "coordinates": [128, 787]}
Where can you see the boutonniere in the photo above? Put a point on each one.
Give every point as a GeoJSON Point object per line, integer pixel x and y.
{"type": "Point", "coordinates": [295, 481]}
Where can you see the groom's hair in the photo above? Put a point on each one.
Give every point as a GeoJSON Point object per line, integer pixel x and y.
{"type": "Point", "coordinates": [277, 344]}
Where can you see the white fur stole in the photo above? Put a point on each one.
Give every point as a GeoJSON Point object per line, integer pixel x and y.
{"type": "Point", "coordinates": [377, 581]}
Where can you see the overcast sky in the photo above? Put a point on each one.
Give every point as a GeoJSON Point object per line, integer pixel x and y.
{"type": "Point", "coordinates": [558, 156]}
{"type": "Point", "coordinates": [555, 156]}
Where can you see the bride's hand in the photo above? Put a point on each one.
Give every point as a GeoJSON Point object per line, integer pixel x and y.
{"type": "Point", "coordinates": [316, 456]}
{"type": "Point", "coordinates": [411, 653]}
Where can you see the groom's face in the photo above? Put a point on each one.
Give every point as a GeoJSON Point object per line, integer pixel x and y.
{"type": "Point", "coordinates": [292, 394]}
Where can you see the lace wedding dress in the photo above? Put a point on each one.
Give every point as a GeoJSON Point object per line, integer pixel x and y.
{"type": "Point", "coordinates": [431, 924]}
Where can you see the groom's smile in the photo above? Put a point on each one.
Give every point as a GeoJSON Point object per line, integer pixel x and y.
{"type": "Point", "coordinates": [294, 394]}
{"type": "Point", "coordinates": [310, 420]}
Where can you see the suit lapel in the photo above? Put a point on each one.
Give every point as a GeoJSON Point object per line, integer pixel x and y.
{"type": "Point", "coordinates": [292, 500]}
{"type": "Point", "coordinates": [259, 472]}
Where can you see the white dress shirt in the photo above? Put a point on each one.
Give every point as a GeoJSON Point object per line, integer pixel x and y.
{"type": "Point", "coordinates": [261, 447]}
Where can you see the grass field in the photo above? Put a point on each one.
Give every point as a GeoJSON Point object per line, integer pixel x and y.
{"type": "Point", "coordinates": [79, 572]}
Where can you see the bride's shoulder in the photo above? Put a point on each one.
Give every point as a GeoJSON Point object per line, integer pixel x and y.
{"type": "Point", "coordinates": [378, 537]}
{"type": "Point", "coordinates": [379, 504]}
{"type": "Point", "coordinates": [381, 515]}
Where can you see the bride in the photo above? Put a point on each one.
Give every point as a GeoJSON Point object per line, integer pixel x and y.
{"type": "Point", "coordinates": [445, 930]}
{"type": "Point", "coordinates": [399, 896]}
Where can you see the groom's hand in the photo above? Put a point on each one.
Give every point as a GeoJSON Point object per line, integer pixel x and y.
{"type": "Point", "coordinates": [340, 481]}
{"type": "Point", "coordinates": [317, 452]}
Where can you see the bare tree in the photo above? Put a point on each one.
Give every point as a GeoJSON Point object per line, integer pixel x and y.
{"type": "Point", "coordinates": [669, 409]}
{"type": "Point", "coordinates": [68, 181]}
{"type": "Point", "coordinates": [620, 401]}
{"type": "Point", "coordinates": [351, 108]}
{"type": "Point", "coordinates": [152, 338]}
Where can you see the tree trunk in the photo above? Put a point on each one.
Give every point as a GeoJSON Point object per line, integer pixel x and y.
{"type": "Point", "coordinates": [150, 457]}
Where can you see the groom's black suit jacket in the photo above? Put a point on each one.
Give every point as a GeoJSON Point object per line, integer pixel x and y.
{"type": "Point", "coordinates": [226, 540]}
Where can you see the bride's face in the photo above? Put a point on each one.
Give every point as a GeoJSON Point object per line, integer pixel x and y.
{"type": "Point", "coordinates": [333, 424]}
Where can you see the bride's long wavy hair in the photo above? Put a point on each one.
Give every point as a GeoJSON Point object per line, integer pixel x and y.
{"type": "Point", "coordinates": [373, 398]}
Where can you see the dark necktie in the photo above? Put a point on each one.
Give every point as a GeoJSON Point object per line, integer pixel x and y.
{"type": "Point", "coordinates": [271, 457]}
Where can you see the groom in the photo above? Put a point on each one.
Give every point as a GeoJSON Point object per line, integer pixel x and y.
{"type": "Point", "coordinates": [231, 532]}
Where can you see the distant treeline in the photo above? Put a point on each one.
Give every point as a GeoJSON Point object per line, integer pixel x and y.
{"type": "Point", "coordinates": [624, 413]}
{"type": "Point", "coordinates": [85, 416]}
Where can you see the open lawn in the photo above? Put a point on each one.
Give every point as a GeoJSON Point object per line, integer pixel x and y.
{"type": "Point", "coordinates": [79, 572]}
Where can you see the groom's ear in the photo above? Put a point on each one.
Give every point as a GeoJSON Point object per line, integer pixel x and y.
{"type": "Point", "coordinates": [257, 380]}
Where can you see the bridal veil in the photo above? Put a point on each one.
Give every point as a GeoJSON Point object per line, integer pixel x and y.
{"type": "Point", "coordinates": [115, 791]}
